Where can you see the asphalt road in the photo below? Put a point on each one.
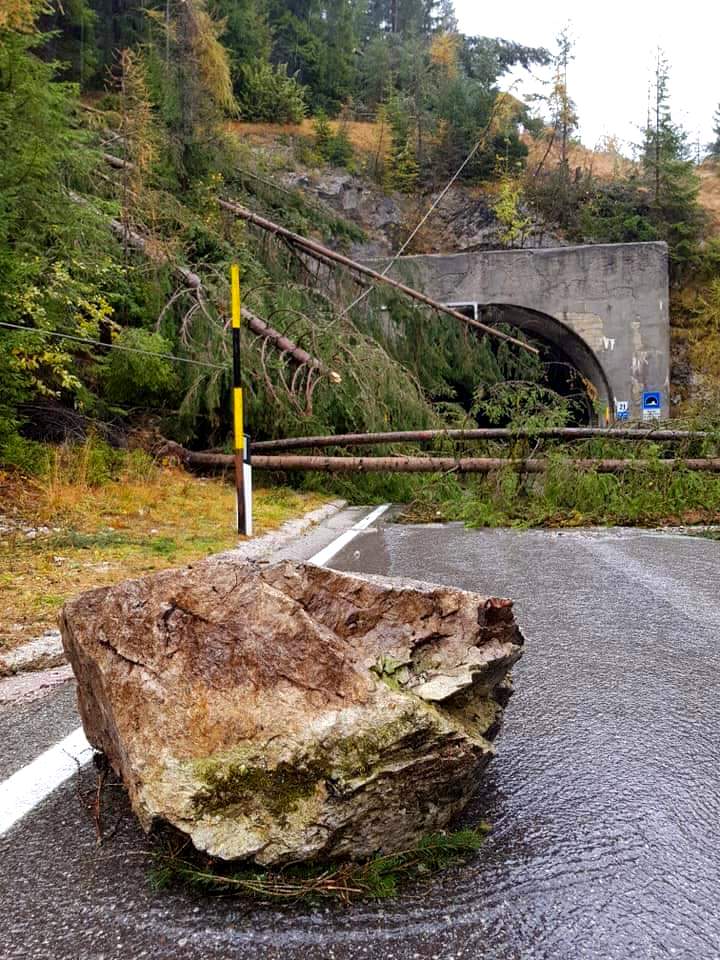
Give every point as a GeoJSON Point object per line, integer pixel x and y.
{"type": "Point", "coordinates": [605, 795]}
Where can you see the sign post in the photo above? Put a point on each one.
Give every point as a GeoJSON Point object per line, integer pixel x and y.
{"type": "Point", "coordinates": [243, 470]}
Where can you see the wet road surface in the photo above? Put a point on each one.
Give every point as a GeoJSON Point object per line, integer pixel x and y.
{"type": "Point", "coordinates": [605, 796]}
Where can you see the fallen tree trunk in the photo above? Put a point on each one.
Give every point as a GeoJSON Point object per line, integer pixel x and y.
{"type": "Point", "coordinates": [117, 162]}
{"type": "Point", "coordinates": [486, 433]}
{"type": "Point", "coordinates": [140, 243]}
{"type": "Point", "coordinates": [258, 326]}
{"type": "Point", "coordinates": [222, 461]}
{"type": "Point", "coordinates": [282, 343]}
{"type": "Point", "coordinates": [321, 252]}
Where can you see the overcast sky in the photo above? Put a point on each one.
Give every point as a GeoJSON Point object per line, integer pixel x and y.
{"type": "Point", "coordinates": [616, 45]}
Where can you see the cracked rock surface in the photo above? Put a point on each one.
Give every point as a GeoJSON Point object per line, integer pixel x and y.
{"type": "Point", "coordinates": [288, 712]}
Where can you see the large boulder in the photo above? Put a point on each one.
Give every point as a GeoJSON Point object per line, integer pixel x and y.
{"type": "Point", "coordinates": [288, 712]}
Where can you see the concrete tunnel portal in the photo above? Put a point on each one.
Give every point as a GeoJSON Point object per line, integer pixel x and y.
{"type": "Point", "coordinates": [601, 310]}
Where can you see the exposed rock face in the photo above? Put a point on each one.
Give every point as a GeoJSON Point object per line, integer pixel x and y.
{"type": "Point", "coordinates": [286, 712]}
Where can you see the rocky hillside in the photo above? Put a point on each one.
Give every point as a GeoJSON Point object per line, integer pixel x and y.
{"type": "Point", "coordinates": [466, 219]}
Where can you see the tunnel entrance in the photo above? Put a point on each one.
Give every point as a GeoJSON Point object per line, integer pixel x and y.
{"type": "Point", "coordinates": [571, 368]}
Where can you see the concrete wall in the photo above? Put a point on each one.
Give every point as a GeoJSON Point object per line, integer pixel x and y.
{"type": "Point", "coordinates": [604, 305]}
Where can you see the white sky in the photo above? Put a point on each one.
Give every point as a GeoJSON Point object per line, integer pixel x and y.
{"type": "Point", "coordinates": [616, 44]}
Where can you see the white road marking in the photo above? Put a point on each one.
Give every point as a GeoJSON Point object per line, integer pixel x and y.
{"type": "Point", "coordinates": [27, 788]}
{"type": "Point", "coordinates": [325, 556]}
{"type": "Point", "coordinates": [24, 790]}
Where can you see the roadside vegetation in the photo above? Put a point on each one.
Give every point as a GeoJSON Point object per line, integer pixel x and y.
{"type": "Point", "coordinates": [375, 879]}
{"type": "Point", "coordinates": [563, 496]}
{"type": "Point", "coordinates": [86, 515]}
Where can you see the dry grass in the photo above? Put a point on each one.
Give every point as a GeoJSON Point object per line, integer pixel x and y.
{"type": "Point", "coordinates": [604, 164]}
{"type": "Point", "coordinates": [709, 173]}
{"type": "Point", "coordinates": [362, 135]}
{"type": "Point", "coordinates": [94, 535]}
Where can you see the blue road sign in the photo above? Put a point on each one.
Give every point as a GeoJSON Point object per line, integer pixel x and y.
{"type": "Point", "coordinates": [652, 400]}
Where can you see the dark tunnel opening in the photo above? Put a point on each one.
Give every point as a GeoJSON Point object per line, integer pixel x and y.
{"type": "Point", "coordinates": [571, 368]}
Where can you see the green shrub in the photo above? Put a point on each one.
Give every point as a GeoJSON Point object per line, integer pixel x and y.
{"type": "Point", "coordinates": [267, 94]}
{"type": "Point", "coordinates": [25, 456]}
{"type": "Point", "coordinates": [92, 463]}
{"type": "Point", "coordinates": [333, 147]}
{"type": "Point", "coordinates": [139, 379]}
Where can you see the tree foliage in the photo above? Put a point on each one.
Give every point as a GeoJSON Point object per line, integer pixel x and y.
{"type": "Point", "coordinates": [669, 176]}
{"type": "Point", "coordinates": [714, 147]}
{"type": "Point", "coordinates": [151, 88]}
{"type": "Point", "coordinates": [268, 94]}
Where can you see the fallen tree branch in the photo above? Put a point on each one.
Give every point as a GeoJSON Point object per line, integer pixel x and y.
{"type": "Point", "coordinates": [138, 242]}
{"type": "Point", "coordinates": [282, 343]}
{"type": "Point", "coordinates": [223, 461]}
{"type": "Point", "coordinates": [489, 433]}
{"type": "Point", "coordinates": [258, 326]}
{"type": "Point", "coordinates": [117, 162]}
{"type": "Point", "coordinates": [321, 252]}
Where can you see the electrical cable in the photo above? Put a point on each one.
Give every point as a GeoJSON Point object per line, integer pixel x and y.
{"type": "Point", "coordinates": [436, 203]}
{"type": "Point", "coordinates": [113, 346]}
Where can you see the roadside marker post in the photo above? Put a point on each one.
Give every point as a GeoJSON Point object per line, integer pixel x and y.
{"type": "Point", "coordinates": [243, 468]}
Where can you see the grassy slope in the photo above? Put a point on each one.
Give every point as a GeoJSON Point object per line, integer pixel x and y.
{"type": "Point", "coordinates": [710, 192]}
{"type": "Point", "coordinates": [364, 136]}
{"type": "Point", "coordinates": [84, 535]}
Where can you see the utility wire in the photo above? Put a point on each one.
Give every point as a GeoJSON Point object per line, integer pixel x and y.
{"type": "Point", "coordinates": [436, 203]}
{"type": "Point", "coordinates": [113, 346]}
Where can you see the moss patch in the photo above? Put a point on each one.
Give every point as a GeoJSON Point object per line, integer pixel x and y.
{"type": "Point", "coordinates": [233, 781]}
{"type": "Point", "coordinates": [226, 785]}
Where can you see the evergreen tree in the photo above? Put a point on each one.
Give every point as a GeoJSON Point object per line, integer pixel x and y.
{"type": "Point", "coordinates": [193, 83]}
{"type": "Point", "coordinates": [714, 147]}
{"type": "Point", "coordinates": [337, 67]}
{"type": "Point", "coordinates": [376, 71]}
{"type": "Point", "coordinates": [52, 252]}
{"type": "Point", "coordinates": [403, 16]}
{"type": "Point", "coordinates": [247, 35]}
{"type": "Point", "coordinates": [401, 167]}
{"type": "Point", "coordinates": [70, 39]}
{"type": "Point", "coordinates": [18, 14]}
{"type": "Point", "coordinates": [119, 25]}
{"type": "Point", "coordinates": [565, 118]}
{"type": "Point", "coordinates": [669, 175]}
{"type": "Point", "coordinates": [318, 41]}
{"type": "Point", "coordinates": [443, 15]}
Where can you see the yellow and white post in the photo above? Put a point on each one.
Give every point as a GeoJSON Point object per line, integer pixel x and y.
{"type": "Point", "coordinates": [243, 468]}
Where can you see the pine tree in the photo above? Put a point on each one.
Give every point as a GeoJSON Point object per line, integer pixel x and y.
{"type": "Point", "coordinates": [195, 84]}
{"type": "Point", "coordinates": [443, 16]}
{"type": "Point", "coordinates": [247, 35]}
{"type": "Point", "coordinates": [48, 245]}
{"type": "Point", "coordinates": [670, 176]}
{"type": "Point", "coordinates": [566, 114]}
{"type": "Point", "coordinates": [17, 14]}
{"type": "Point", "coordinates": [563, 113]}
{"type": "Point", "coordinates": [714, 147]}
{"type": "Point", "coordinates": [401, 167]}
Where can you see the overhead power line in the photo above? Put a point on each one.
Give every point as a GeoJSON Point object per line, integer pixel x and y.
{"type": "Point", "coordinates": [113, 346]}
{"type": "Point", "coordinates": [436, 203]}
